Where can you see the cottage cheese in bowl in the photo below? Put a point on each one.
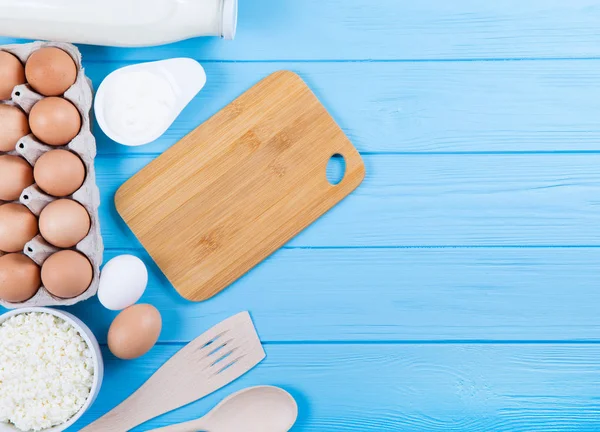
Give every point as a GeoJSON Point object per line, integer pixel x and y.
{"type": "Point", "coordinates": [50, 370]}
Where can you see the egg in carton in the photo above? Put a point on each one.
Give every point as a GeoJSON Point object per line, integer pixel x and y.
{"type": "Point", "coordinates": [88, 195]}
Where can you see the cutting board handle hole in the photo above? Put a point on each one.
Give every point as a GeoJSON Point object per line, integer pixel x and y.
{"type": "Point", "coordinates": [336, 169]}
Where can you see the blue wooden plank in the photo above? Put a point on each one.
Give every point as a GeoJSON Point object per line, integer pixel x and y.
{"type": "Point", "coordinates": [392, 29]}
{"type": "Point", "coordinates": [393, 295]}
{"type": "Point", "coordinates": [440, 200]}
{"type": "Point", "coordinates": [419, 107]}
{"type": "Point", "coordinates": [393, 388]}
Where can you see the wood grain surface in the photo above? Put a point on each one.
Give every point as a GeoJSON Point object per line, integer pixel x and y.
{"type": "Point", "coordinates": [410, 387]}
{"type": "Point", "coordinates": [239, 186]}
{"type": "Point", "coordinates": [394, 30]}
{"type": "Point", "coordinates": [440, 200]}
{"type": "Point", "coordinates": [420, 107]}
{"type": "Point", "coordinates": [425, 294]}
{"type": "Point", "coordinates": [457, 289]}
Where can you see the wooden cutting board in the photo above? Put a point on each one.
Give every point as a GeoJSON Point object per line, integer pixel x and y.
{"type": "Point", "coordinates": [239, 186]}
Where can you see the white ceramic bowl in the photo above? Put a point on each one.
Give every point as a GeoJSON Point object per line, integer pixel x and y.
{"type": "Point", "coordinates": [91, 341]}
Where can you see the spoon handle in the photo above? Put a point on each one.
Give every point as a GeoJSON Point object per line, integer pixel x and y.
{"type": "Point", "coordinates": [191, 426]}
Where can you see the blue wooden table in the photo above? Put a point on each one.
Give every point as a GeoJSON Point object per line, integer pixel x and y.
{"type": "Point", "coordinates": [458, 288]}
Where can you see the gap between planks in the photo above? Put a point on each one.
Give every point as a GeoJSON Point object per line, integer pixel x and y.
{"type": "Point", "coordinates": [409, 342]}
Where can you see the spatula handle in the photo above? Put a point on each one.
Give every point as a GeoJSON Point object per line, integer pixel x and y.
{"type": "Point", "coordinates": [131, 413]}
{"type": "Point", "coordinates": [152, 399]}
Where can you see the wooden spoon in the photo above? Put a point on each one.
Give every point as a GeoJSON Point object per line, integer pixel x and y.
{"type": "Point", "coordinates": [255, 409]}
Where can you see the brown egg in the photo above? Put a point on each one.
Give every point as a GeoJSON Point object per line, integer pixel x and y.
{"type": "Point", "coordinates": [17, 226]}
{"type": "Point", "coordinates": [59, 172]}
{"type": "Point", "coordinates": [134, 331]}
{"type": "Point", "coordinates": [15, 175]}
{"type": "Point", "coordinates": [64, 223]}
{"type": "Point", "coordinates": [14, 126]}
{"type": "Point", "coordinates": [11, 74]}
{"type": "Point", "coordinates": [67, 274]}
{"type": "Point", "coordinates": [55, 121]}
{"type": "Point", "coordinates": [50, 71]}
{"type": "Point", "coordinates": [19, 278]}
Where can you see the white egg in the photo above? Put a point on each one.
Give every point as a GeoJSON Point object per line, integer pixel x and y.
{"type": "Point", "coordinates": [122, 282]}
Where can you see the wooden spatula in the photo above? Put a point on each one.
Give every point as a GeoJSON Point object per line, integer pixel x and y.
{"type": "Point", "coordinates": [221, 355]}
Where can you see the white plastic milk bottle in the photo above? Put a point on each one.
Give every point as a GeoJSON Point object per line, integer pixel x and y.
{"type": "Point", "coordinates": [117, 22]}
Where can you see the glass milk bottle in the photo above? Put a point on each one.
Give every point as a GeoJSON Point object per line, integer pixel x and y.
{"type": "Point", "coordinates": [117, 22]}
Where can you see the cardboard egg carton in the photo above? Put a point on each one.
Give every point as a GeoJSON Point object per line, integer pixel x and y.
{"type": "Point", "coordinates": [84, 145]}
